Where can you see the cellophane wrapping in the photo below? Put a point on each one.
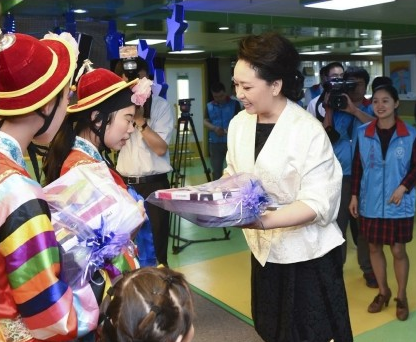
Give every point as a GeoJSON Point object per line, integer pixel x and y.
{"type": "Point", "coordinates": [236, 200]}
{"type": "Point", "coordinates": [93, 219]}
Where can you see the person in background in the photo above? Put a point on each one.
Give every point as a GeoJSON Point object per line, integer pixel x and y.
{"type": "Point", "coordinates": [35, 303]}
{"type": "Point", "coordinates": [333, 70]}
{"type": "Point", "coordinates": [219, 113]}
{"type": "Point", "coordinates": [383, 193]}
{"type": "Point", "coordinates": [144, 162]}
{"type": "Point", "coordinates": [316, 89]}
{"type": "Point", "coordinates": [297, 286]}
{"type": "Point", "coordinates": [100, 121]}
{"type": "Point", "coordinates": [341, 125]}
{"type": "Point", "coordinates": [149, 304]}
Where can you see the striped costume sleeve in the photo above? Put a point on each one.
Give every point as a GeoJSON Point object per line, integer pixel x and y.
{"type": "Point", "coordinates": [28, 245]}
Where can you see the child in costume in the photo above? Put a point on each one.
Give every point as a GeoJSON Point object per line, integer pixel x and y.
{"type": "Point", "coordinates": [100, 121]}
{"type": "Point", "coordinates": [35, 304]}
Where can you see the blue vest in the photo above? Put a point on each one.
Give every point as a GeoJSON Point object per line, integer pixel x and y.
{"type": "Point", "coordinates": [382, 176]}
{"type": "Point", "coordinates": [346, 125]}
{"type": "Point", "coordinates": [220, 115]}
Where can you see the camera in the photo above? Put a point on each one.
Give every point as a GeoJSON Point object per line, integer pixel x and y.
{"type": "Point", "coordinates": [185, 106]}
{"type": "Point", "coordinates": [130, 68]}
{"type": "Point", "coordinates": [336, 87]}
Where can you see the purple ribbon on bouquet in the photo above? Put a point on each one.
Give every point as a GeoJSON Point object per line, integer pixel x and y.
{"type": "Point", "coordinates": [103, 248]}
{"type": "Point", "coordinates": [98, 244]}
{"type": "Point", "coordinates": [254, 198]}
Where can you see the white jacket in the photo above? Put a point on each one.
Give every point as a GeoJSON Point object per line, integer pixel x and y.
{"type": "Point", "coordinates": [297, 163]}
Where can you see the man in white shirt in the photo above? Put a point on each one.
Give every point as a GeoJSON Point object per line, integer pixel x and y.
{"type": "Point", "coordinates": [144, 161]}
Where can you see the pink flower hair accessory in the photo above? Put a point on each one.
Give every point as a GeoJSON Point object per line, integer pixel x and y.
{"type": "Point", "coordinates": [141, 91]}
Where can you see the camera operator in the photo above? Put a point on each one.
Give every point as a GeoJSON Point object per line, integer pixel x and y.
{"type": "Point", "coordinates": [330, 71]}
{"type": "Point", "coordinates": [351, 110]}
{"type": "Point", "coordinates": [144, 161]}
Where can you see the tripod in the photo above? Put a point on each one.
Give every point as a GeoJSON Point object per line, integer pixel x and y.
{"type": "Point", "coordinates": [178, 177]}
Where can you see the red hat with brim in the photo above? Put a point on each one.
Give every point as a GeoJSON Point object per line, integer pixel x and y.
{"type": "Point", "coordinates": [32, 72]}
{"type": "Point", "coordinates": [95, 87]}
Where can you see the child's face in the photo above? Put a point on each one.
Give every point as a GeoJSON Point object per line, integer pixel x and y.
{"type": "Point", "coordinates": [119, 130]}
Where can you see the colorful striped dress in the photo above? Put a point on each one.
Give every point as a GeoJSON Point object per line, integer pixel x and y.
{"type": "Point", "coordinates": [34, 302]}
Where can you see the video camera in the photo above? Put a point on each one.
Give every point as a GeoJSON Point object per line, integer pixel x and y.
{"type": "Point", "coordinates": [336, 87]}
{"type": "Point", "coordinates": [185, 106]}
{"type": "Point", "coordinates": [130, 68]}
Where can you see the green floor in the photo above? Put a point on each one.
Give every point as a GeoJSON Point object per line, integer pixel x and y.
{"type": "Point", "coordinates": [195, 252]}
{"type": "Point", "coordinates": [193, 244]}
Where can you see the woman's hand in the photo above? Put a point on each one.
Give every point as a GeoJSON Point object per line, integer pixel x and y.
{"type": "Point", "coordinates": [353, 207]}
{"type": "Point", "coordinates": [397, 196]}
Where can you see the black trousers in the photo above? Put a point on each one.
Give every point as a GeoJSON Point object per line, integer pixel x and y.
{"type": "Point", "coordinates": [158, 217]}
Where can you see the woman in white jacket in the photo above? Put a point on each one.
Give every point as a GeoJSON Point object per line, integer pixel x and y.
{"type": "Point", "coordinates": [298, 291]}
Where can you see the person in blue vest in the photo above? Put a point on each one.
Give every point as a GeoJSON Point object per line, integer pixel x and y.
{"type": "Point", "coordinates": [341, 123]}
{"type": "Point", "coordinates": [315, 90]}
{"type": "Point", "coordinates": [383, 193]}
{"type": "Point", "coordinates": [219, 113]}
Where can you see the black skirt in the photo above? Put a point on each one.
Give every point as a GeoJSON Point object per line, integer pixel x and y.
{"type": "Point", "coordinates": [301, 302]}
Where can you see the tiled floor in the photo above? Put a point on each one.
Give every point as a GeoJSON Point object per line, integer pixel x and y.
{"type": "Point", "coordinates": [221, 270]}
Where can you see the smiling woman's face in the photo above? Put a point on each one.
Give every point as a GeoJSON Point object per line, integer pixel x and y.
{"type": "Point", "coordinates": [255, 93]}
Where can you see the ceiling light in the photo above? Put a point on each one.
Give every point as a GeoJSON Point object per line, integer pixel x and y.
{"type": "Point", "coordinates": [131, 24]}
{"type": "Point", "coordinates": [224, 25]}
{"type": "Point", "coordinates": [149, 41]}
{"type": "Point", "coordinates": [79, 11]}
{"type": "Point", "coordinates": [341, 5]}
{"type": "Point", "coordinates": [185, 52]}
{"type": "Point", "coordinates": [366, 53]}
{"type": "Point", "coordinates": [314, 52]}
{"type": "Point", "coordinates": [371, 46]}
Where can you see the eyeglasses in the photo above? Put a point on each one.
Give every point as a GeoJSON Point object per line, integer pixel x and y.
{"type": "Point", "coordinates": [336, 75]}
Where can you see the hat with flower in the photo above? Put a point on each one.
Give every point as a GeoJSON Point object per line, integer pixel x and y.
{"type": "Point", "coordinates": [32, 71]}
{"type": "Point", "coordinates": [97, 85]}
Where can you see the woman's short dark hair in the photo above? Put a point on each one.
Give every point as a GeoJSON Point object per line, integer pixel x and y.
{"type": "Point", "coordinates": [274, 57]}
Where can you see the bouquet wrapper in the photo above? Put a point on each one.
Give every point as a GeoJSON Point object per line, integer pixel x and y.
{"type": "Point", "coordinates": [144, 238]}
{"type": "Point", "coordinates": [237, 200]}
{"type": "Point", "coordinates": [93, 219]}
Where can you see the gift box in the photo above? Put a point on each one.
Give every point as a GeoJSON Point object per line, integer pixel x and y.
{"type": "Point", "coordinates": [93, 219]}
{"type": "Point", "coordinates": [237, 200]}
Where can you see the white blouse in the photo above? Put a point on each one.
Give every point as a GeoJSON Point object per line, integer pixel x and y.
{"type": "Point", "coordinates": [297, 163]}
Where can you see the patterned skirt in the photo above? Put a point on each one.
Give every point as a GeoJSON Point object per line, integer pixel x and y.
{"type": "Point", "coordinates": [387, 231]}
{"type": "Point", "coordinates": [301, 302]}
